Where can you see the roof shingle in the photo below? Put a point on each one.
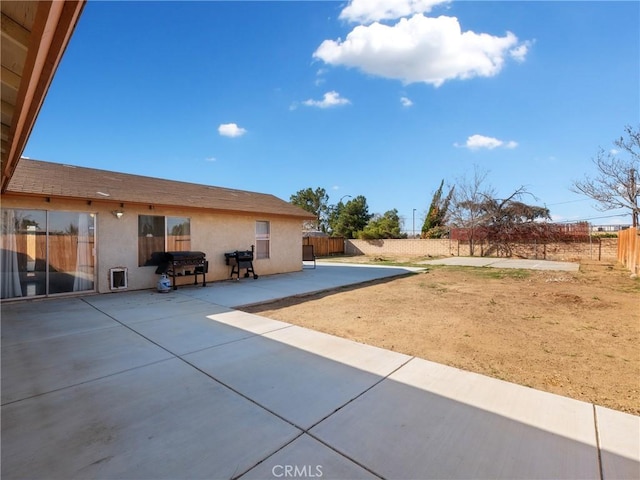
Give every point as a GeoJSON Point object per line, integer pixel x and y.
{"type": "Point", "coordinates": [35, 177]}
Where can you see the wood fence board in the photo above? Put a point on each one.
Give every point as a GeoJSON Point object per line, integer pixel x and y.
{"type": "Point", "coordinates": [325, 246]}
{"type": "Point", "coordinates": [629, 249]}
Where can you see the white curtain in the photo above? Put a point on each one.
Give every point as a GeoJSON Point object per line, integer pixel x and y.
{"type": "Point", "coordinates": [84, 258]}
{"type": "Point", "coordinates": [9, 273]}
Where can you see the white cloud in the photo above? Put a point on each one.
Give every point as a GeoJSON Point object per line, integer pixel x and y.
{"type": "Point", "coordinates": [320, 77]}
{"type": "Point", "coordinates": [406, 102]}
{"type": "Point", "coordinates": [210, 159]}
{"type": "Point", "coordinates": [330, 99]}
{"type": "Point", "coordinates": [231, 130]}
{"type": "Point", "coordinates": [476, 142]}
{"type": "Point", "coordinates": [367, 11]}
{"type": "Point", "coordinates": [613, 151]}
{"type": "Point", "coordinates": [421, 49]}
{"type": "Point", "coordinates": [520, 52]}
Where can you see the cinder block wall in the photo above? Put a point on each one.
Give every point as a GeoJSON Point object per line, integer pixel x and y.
{"type": "Point", "coordinates": [606, 250]}
{"type": "Point", "coordinates": [408, 247]}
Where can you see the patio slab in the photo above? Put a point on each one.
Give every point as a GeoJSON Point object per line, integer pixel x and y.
{"type": "Point", "coordinates": [296, 384]}
{"type": "Point", "coordinates": [431, 421]}
{"type": "Point", "coordinates": [132, 307]}
{"type": "Point", "coordinates": [327, 276]}
{"type": "Point", "coordinates": [41, 319]}
{"type": "Point", "coordinates": [189, 333]}
{"type": "Point", "coordinates": [363, 358]}
{"type": "Point", "coordinates": [165, 420]}
{"type": "Point", "coordinates": [619, 435]}
{"type": "Point", "coordinates": [305, 457]}
{"type": "Point", "coordinates": [110, 387]}
{"type": "Point", "coordinates": [248, 321]}
{"type": "Point", "coordinates": [37, 367]}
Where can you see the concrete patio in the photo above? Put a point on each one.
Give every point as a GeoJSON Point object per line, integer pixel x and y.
{"type": "Point", "coordinates": [144, 385]}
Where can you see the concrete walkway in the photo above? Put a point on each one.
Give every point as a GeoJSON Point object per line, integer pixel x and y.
{"type": "Point", "coordinates": [143, 385]}
{"type": "Point", "coordinates": [505, 263]}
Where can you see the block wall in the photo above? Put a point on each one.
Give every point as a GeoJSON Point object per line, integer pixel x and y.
{"type": "Point", "coordinates": [403, 247]}
{"type": "Point", "coordinates": [604, 249]}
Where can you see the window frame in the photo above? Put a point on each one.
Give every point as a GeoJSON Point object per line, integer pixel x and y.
{"type": "Point", "coordinates": [148, 259]}
{"type": "Point", "coordinates": [263, 237]}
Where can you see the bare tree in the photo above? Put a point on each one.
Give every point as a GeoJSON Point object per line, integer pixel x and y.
{"type": "Point", "coordinates": [617, 181]}
{"type": "Point", "coordinates": [466, 212]}
{"type": "Point", "coordinates": [509, 221]}
{"type": "Point", "coordinates": [484, 219]}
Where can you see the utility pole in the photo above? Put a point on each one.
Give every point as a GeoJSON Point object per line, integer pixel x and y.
{"type": "Point", "coordinates": [634, 194]}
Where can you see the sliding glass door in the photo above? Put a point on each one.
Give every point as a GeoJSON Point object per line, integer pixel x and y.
{"type": "Point", "coordinates": [46, 253]}
{"type": "Point", "coordinates": [23, 261]}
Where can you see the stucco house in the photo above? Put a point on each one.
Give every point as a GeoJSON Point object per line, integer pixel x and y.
{"type": "Point", "coordinates": [66, 229]}
{"type": "Point", "coordinates": [69, 229]}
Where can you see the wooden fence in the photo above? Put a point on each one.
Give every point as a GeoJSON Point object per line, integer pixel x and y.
{"type": "Point", "coordinates": [325, 246]}
{"type": "Point", "coordinates": [629, 249]}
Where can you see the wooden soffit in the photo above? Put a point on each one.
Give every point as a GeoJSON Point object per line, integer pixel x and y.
{"type": "Point", "coordinates": [34, 37]}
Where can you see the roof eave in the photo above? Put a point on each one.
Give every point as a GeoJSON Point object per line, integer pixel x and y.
{"type": "Point", "coordinates": [153, 206]}
{"type": "Point", "coordinates": [53, 26]}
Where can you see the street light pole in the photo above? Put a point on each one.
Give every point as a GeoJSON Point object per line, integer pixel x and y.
{"type": "Point", "coordinates": [344, 196]}
{"type": "Point", "coordinates": [414, 223]}
{"type": "Point", "coordinates": [344, 248]}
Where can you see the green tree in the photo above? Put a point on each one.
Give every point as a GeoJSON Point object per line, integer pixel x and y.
{"type": "Point", "coordinates": [383, 226]}
{"type": "Point", "coordinates": [346, 220]}
{"type": "Point", "coordinates": [434, 225]}
{"type": "Point", "coordinates": [313, 201]}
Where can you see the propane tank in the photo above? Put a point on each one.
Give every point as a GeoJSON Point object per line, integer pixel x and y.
{"type": "Point", "coordinates": [164, 284]}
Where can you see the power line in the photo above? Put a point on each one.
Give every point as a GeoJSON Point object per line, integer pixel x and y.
{"type": "Point", "coordinates": [592, 218]}
{"type": "Point", "coordinates": [569, 201]}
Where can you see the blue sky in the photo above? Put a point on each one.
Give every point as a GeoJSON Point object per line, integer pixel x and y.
{"type": "Point", "coordinates": [381, 98]}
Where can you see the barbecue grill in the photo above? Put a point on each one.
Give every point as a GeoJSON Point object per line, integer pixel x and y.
{"type": "Point", "coordinates": [241, 259]}
{"type": "Point", "coordinates": [178, 264]}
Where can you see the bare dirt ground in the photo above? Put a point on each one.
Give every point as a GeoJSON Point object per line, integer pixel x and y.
{"type": "Point", "coordinates": [574, 334]}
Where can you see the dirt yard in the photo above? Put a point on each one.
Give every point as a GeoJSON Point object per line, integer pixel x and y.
{"type": "Point", "coordinates": [574, 334]}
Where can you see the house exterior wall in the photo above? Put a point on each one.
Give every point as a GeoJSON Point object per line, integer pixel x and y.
{"type": "Point", "coordinates": [116, 241]}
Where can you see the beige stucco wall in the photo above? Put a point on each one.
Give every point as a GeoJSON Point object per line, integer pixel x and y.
{"type": "Point", "coordinates": [211, 233]}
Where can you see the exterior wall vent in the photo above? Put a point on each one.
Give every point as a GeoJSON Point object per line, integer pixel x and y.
{"type": "Point", "coordinates": [118, 278]}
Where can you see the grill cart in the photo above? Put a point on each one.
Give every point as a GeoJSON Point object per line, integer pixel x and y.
{"type": "Point", "coordinates": [241, 259]}
{"type": "Point", "coordinates": [178, 264]}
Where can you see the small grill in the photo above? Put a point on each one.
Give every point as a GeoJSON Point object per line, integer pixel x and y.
{"type": "Point", "coordinates": [178, 264]}
{"type": "Point", "coordinates": [241, 259]}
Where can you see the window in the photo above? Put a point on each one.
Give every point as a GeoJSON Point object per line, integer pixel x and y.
{"type": "Point", "coordinates": [263, 239]}
{"type": "Point", "coordinates": [161, 234]}
{"type": "Point", "coordinates": [178, 234]}
{"type": "Point", "coordinates": [46, 252]}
